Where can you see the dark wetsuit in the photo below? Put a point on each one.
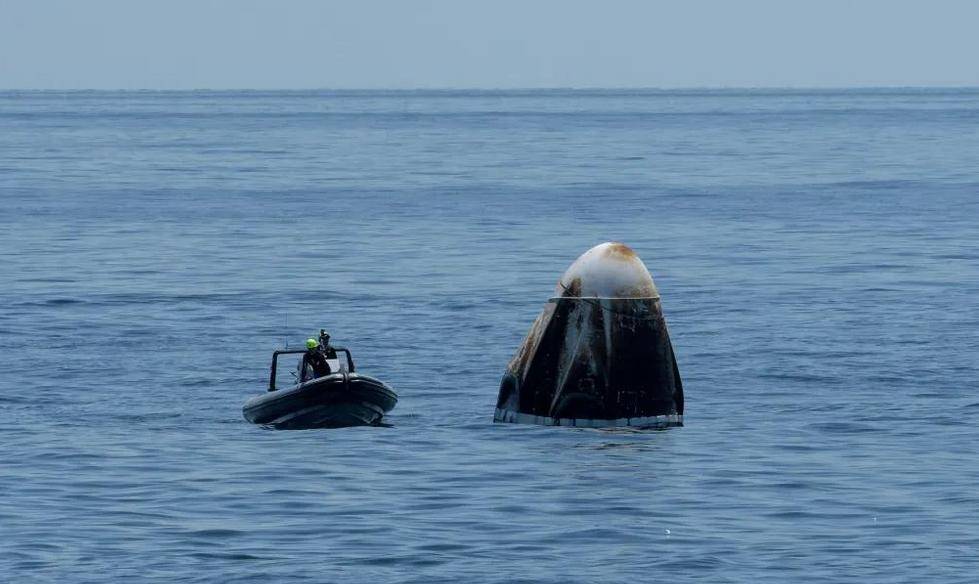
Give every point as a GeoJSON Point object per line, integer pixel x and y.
{"type": "Point", "coordinates": [317, 361]}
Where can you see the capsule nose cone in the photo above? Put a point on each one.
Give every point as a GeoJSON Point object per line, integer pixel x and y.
{"type": "Point", "coordinates": [608, 270]}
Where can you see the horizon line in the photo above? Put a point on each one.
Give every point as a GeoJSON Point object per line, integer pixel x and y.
{"type": "Point", "coordinates": [514, 88]}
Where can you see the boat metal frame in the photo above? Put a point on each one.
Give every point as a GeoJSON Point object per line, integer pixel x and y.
{"type": "Point", "coordinates": [275, 358]}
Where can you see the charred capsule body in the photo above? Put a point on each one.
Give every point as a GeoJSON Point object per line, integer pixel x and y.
{"type": "Point", "coordinates": [599, 354]}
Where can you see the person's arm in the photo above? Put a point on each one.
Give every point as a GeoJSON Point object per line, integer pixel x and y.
{"type": "Point", "coordinates": [304, 368]}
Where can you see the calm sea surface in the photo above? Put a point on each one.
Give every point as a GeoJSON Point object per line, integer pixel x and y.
{"type": "Point", "coordinates": [817, 253]}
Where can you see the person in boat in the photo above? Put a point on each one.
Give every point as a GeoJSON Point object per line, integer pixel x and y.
{"type": "Point", "coordinates": [329, 351]}
{"type": "Point", "coordinates": [314, 361]}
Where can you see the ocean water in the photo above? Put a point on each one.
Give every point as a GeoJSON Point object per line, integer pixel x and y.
{"type": "Point", "coordinates": [817, 254]}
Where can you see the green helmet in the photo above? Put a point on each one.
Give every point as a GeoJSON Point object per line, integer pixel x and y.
{"type": "Point", "coordinates": [312, 343]}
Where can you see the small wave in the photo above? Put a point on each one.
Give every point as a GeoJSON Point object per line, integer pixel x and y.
{"type": "Point", "coordinates": [843, 428]}
{"type": "Point", "coordinates": [216, 533]}
{"type": "Point", "coordinates": [232, 556]}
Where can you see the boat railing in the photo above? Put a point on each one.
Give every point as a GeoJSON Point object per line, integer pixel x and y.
{"type": "Point", "coordinates": [275, 361]}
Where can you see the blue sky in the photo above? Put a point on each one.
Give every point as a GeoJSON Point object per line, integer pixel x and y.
{"type": "Point", "coordinates": [220, 44]}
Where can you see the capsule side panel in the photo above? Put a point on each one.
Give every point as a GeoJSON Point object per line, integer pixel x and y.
{"type": "Point", "coordinates": [594, 359]}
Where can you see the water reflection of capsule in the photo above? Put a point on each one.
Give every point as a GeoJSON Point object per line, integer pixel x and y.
{"type": "Point", "coordinates": [599, 354]}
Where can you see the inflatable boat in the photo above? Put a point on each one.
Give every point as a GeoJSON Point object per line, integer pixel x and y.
{"type": "Point", "coordinates": [342, 398]}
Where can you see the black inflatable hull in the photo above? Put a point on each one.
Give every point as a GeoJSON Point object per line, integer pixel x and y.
{"type": "Point", "coordinates": [335, 401]}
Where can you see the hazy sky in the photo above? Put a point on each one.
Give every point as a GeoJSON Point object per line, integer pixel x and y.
{"type": "Point", "coordinates": [176, 44]}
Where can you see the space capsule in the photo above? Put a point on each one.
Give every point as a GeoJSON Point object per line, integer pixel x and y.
{"type": "Point", "coordinates": [599, 354]}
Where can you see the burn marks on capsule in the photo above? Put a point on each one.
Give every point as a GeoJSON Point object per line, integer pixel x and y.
{"type": "Point", "coordinates": [599, 354]}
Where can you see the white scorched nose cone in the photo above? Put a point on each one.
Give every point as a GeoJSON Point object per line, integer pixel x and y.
{"type": "Point", "coordinates": [599, 354]}
{"type": "Point", "coordinates": [608, 270]}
